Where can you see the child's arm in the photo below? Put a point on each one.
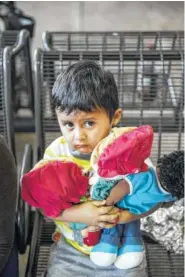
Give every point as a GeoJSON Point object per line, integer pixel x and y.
{"type": "Point", "coordinates": [126, 216]}
{"type": "Point", "coordinates": [90, 213]}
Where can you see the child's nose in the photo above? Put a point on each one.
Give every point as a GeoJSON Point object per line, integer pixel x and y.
{"type": "Point", "coordinates": [79, 135]}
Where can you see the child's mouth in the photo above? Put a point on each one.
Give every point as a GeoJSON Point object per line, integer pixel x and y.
{"type": "Point", "coordinates": [81, 148]}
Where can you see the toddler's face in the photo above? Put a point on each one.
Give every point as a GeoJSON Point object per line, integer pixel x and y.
{"type": "Point", "coordinates": [83, 130]}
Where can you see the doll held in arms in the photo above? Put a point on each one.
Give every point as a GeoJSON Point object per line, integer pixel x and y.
{"type": "Point", "coordinates": [132, 185]}
{"type": "Point", "coordinates": [57, 185]}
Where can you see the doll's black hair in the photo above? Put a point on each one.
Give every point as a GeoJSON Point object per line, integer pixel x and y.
{"type": "Point", "coordinates": [171, 173]}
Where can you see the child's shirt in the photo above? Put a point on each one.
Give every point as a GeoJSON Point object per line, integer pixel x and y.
{"type": "Point", "coordinates": [59, 149]}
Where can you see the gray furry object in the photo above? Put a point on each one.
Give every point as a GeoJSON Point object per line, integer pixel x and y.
{"type": "Point", "coordinates": [8, 198]}
{"type": "Point", "coordinates": [166, 226]}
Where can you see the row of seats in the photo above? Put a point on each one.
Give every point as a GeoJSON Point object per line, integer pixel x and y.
{"type": "Point", "coordinates": [148, 69]}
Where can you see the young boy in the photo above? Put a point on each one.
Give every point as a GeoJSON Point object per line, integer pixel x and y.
{"type": "Point", "coordinates": [86, 101]}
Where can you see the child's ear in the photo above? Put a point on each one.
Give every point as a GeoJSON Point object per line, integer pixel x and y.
{"type": "Point", "coordinates": [117, 117]}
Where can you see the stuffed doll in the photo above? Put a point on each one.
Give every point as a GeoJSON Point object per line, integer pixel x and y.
{"type": "Point", "coordinates": [55, 185]}
{"type": "Point", "coordinates": [138, 192]}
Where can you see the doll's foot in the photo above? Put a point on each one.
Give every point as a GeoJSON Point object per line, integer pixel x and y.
{"type": "Point", "coordinates": [129, 256]}
{"type": "Point", "coordinates": [104, 254]}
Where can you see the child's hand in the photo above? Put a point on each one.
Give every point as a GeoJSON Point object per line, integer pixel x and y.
{"type": "Point", "coordinates": [94, 213]}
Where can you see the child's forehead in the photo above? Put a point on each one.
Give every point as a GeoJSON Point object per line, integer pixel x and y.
{"type": "Point", "coordinates": [82, 115]}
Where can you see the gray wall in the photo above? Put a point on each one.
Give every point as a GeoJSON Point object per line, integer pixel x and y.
{"type": "Point", "coordinates": [103, 16]}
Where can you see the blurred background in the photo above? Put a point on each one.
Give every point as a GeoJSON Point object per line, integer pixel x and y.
{"type": "Point", "coordinates": [103, 16]}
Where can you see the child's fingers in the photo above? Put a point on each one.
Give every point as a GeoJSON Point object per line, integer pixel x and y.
{"type": "Point", "coordinates": [108, 210]}
{"type": "Point", "coordinates": [106, 225]}
{"type": "Point", "coordinates": [99, 203]}
{"type": "Point", "coordinates": [114, 210]}
{"type": "Point", "coordinates": [109, 218]}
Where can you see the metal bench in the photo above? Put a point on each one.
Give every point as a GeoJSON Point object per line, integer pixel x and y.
{"type": "Point", "coordinates": [168, 129]}
{"type": "Point", "coordinates": [113, 41]}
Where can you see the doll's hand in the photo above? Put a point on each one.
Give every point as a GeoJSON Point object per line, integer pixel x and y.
{"type": "Point", "coordinates": [118, 192]}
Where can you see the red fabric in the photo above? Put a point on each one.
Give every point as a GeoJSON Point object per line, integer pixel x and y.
{"type": "Point", "coordinates": [126, 155]}
{"type": "Point", "coordinates": [93, 238]}
{"type": "Point", "coordinates": [54, 187]}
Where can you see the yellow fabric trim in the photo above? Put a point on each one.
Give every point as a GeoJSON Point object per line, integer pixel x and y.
{"type": "Point", "coordinates": [49, 152]}
{"type": "Point", "coordinates": [84, 248]}
{"type": "Point", "coordinates": [60, 223]}
{"type": "Point", "coordinates": [83, 163]}
{"type": "Point", "coordinates": [62, 140]}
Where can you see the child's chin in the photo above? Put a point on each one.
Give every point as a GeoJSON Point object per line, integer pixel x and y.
{"type": "Point", "coordinates": [84, 151]}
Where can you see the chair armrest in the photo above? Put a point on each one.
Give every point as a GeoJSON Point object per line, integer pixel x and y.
{"type": "Point", "coordinates": [35, 241]}
{"type": "Point", "coordinates": [23, 209]}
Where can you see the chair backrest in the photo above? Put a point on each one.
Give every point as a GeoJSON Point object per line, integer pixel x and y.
{"type": "Point", "coordinates": [113, 41]}
{"type": "Point", "coordinates": [8, 200]}
{"type": "Point", "coordinates": [163, 108]}
{"type": "Point", "coordinates": [13, 58]}
{"type": "Point", "coordinates": [8, 38]}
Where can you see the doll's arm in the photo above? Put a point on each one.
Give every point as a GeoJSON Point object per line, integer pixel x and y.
{"type": "Point", "coordinates": [126, 216]}
{"type": "Point", "coordinates": [118, 192]}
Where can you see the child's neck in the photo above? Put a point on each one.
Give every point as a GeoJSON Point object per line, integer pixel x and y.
{"type": "Point", "coordinates": [79, 155]}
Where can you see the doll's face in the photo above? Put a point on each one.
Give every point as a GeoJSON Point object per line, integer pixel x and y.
{"type": "Point", "coordinates": [83, 130]}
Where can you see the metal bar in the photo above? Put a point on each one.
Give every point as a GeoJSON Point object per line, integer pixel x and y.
{"type": "Point", "coordinates": [136, 71]}
{"type": "Point", "coordinates": [142, 83]}
{"type": "Point", "coordinates": [69, 42]}
{"type": "Point", "coordinates": [22, 39]}
{"type": "Point", "coordinates": [29, 77]}
{"type": "Point", "coordinates": [7, 59]}
{"type": "Point", "coordinates": [114, 56]}
{"type": "Point", "coordinates": [38, 104]}
{"type": "Point", "coordinates": [47, 40]}
{"type": "Point", "coordinates": [161, 105]}
{"type": "Point", "coordinates": [181, 106]}
{"type": "Point", "coordinates": [87, 41]}
{"type": "Point", "coordinates": [131, 33]}
{"type": "Point", "coordinates": [33, 256]}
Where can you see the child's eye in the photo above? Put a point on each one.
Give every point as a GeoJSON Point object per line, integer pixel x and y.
{"type": "Point", "coordinates": [69, 125]}
{"type": "Point", "coordinates": [89, 124]}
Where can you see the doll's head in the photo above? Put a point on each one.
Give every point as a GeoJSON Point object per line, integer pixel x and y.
{"type": "Point", "coordinates": [170, 171]}
{"type": "Point", "coordinates": [123, 151]}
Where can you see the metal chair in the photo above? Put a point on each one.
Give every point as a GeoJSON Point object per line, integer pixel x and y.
{"type": "Point", "coordinates": [22, 211]}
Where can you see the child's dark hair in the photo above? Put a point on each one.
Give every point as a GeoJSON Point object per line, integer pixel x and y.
{"type": "Point", "coordinates": [171, 173]}
{"type": "Point", "coordinates": [83, 86]}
